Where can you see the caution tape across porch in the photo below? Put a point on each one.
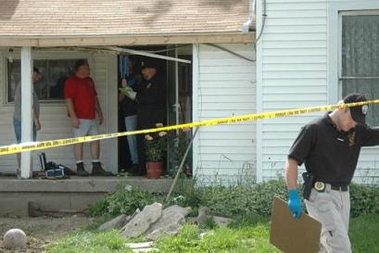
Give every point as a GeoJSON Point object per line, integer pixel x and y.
{"type": "Point", "coordinates": [22, 147]}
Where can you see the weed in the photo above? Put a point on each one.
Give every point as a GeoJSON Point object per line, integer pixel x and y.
{"type": "Point", "coordinates": [125, 200]}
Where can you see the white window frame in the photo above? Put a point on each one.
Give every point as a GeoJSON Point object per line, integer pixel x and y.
{"type": "Point", "coordinates": [41, 55]}
{"type": "Point", "coordinates": [42, 99]}
{"type": "Point", "coordinates": [336, 10]}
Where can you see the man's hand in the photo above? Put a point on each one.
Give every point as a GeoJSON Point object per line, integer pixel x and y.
{"type": "Point", "coordinates": [124, 82]}
{"type": "Point", "coordinates": [101, 119]}
{"type": "Point", "coordinates": [37, 124]}
{"type": "Point", "coordinates": [294, 203]}
{"type": "Point", "coordinates": [75, 122]}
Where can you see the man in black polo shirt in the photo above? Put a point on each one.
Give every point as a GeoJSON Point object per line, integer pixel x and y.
{"type": "Point", "coordinates": [329, 147]}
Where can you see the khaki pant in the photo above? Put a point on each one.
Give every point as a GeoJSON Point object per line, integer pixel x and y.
{"type": "Point", "coordinates": [332, 209]}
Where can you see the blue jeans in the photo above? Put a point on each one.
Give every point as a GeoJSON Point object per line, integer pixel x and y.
{"type": "Point", "coordinates": [17, 130]}
{"type": "Point", "coordinates": [131, 125]}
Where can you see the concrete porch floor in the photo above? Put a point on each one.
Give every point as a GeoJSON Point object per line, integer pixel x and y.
{"type": "Point", "coordinates": [67, 195]}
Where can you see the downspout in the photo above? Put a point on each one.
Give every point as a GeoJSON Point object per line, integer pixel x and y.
{"type": "Point", "coordinates": [248, 24]}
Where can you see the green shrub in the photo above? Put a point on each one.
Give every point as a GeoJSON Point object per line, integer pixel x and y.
{"type": "Point", "coordinates": [125, 200]}
{"type": "Point", "coordinates": [233, 201]}
{"type": "Point", "coordinates": [264, 195]}
{"type": "Point", "coordinates": [236, 201]}
{"type": "Point", "coordinates": [364, 200]}
{"type": "Point", "coordinates": [186, 194]}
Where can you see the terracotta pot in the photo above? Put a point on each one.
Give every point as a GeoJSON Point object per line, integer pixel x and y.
{"type": "Point", "coordinates": [154, 169]}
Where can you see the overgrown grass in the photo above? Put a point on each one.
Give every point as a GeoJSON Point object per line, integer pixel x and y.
{"type": "Point", "coordinates": [244, 236]}
{"type": "Point", "coordinates": [249, 204]}
{"type": "Point", "coordinates": [125, 200]}
{"type": "Point", "coordinates": [246, 239]}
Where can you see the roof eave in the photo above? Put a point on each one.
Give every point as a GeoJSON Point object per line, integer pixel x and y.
{"type": "Point", "coordinates": [125, 40]}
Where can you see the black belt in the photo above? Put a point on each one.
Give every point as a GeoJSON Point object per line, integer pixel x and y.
{"type": "Point", "coordinates": [320, 187]}
{"type": "Point", "coordinates": [342, 188]}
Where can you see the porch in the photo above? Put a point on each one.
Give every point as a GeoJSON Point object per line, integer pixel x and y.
{"type": "Point", "coordinates": [72, 195]}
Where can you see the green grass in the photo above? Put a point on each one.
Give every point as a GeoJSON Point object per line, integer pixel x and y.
{"type": "Point", "coordinates": [90, 242]}
{"type": "Point", "coordinates": [244, 236]}
{"type": "Point", "coordinates": [364, 232]}
{"type": "Point", "coordinates": [238, 239]}
{"type": "Point", "coordinates": [247, 239]}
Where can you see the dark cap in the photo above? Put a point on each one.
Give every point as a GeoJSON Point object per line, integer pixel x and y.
{"type": "Point", "coordinates": [358, 113]}
{"type": "Point", "coordinates": [35, 69]}
{"type": "Point", "coordinates": [149, 63]}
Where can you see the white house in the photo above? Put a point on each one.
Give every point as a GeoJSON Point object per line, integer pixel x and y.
{"type": "Point", "coordinates": [210, 70]}
{"type": "Point", "coordinates": [304, 53]}
{"type": "Point", "coordinates": [312, 53]}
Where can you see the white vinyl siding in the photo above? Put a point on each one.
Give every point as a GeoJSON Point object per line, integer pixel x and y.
{"type": "Point", "coordinates": [53, 115]}
{"type": "Point", "coordinates": [296, 69]}
{"type": "Point", "coordinates": [293, 64]}
{"type": "Point", "coordinates": [224, 86]}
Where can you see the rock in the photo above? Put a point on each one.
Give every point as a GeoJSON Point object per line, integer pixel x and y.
{"type": "Point", "coordinates": [169, 223]}
{"type": "Point", "coordinates": [118, 222]}
{"type": "Point", "coordinates": [14, 238]}
{"type": "Point", "coordinates": [168, 230]}
{"type": "Point", "coordinates": [202, 216]}
{"type": "Point", "coordinates": [141, 247]}
{"type": "Point", "coordinates": [222, 221]}
{"type": "Point", "coordinates": [142, 221]}
{"type": "Point", "coordinates": [115, 223]}
{"type": "Point", "coordinates": [34, 209]}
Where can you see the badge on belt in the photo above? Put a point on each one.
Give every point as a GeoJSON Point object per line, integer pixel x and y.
{"type": "Point", "coordinates": [319, 186]}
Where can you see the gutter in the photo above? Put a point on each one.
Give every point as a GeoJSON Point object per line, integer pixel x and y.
{"type": "Point", "coordinates": [247, 26]}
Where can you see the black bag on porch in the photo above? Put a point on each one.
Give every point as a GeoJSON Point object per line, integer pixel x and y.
{"type": "Point", "coordinates": [54, 170]}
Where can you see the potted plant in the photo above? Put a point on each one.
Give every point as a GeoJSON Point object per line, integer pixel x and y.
{"type": "Point", "coordinates": [155, 147]}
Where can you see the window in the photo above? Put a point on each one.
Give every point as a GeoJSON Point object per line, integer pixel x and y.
{"type": "Point", "coordinates": [53, 75]}
{"type": "Point", "coordinates": [360, 57]}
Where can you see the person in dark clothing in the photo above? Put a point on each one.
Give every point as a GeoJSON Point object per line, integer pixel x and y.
{"type": "Point", "coordinates": [128, 108]}
{"type": "Point", "coordinates": [329, 147]}
{"type": "Point", "coordinates": [150, 96]}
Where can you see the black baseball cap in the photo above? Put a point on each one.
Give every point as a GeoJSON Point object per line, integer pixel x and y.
{"type": "Point", "coordinates": [358, 113]}
{"type": "Point", "coordinates": [149, 63]}
{"type": "Point", "coordinates": [35, 69]}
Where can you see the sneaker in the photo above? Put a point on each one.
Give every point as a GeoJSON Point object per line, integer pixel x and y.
{"type": "Point", "coordinates": [97, 170]}
{"type": "Point", "coordinates": [135, 170]}
{"type": "Point", "coordinates": [18, 173]}
{"type": "Point", "coordinates": [80, 171]}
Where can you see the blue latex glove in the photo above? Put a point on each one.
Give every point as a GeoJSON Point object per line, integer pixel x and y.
{"type": "Point", "coordinates": [294, 203]}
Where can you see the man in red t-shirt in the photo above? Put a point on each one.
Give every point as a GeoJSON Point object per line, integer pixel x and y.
{"type": "Point", "coordinates": [82, 106]}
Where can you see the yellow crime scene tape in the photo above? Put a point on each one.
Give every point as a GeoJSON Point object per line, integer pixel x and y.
{"type": "Point", "coordinates": [30, 146]}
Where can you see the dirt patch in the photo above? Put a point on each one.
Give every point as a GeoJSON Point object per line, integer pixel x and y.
{"type": "Point", "coordinates": [41, 231]}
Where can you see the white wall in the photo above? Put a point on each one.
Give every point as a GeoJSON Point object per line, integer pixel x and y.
{"type": "Point", "coordinates": [54, 120]}
{"type": "Point", "coordinates": [296, 67]}
{"type": "Point", "coordinates": [224, 86]}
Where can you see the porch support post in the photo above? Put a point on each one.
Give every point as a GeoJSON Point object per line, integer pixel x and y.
{"type": "Point", "coordinates": [26, 108]}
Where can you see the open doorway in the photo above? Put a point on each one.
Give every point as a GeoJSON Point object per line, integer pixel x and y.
{"type": "Point", "coordinates": [178, 86]}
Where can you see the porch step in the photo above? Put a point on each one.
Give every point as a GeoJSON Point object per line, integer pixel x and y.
{"type": "Point", "coordinates": [72, 195]}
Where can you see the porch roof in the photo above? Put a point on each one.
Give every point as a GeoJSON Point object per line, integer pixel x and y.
{"type": "Point", "coordinates": [41, 23]}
